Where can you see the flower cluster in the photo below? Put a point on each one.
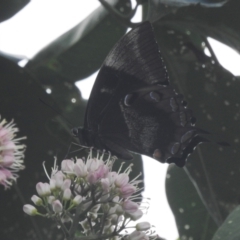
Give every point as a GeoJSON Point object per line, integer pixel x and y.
{"type": "Point", "coordinates": [11, 153]}
{"type": "Point", "coordinates": [88, 198]}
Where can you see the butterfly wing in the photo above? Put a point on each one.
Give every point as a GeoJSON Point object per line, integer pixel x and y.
{"type": "Point", "coordinates": [132, 107]}
{"type": "Point", "coordinates": [137, 55]}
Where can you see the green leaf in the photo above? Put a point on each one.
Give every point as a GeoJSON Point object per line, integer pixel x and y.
{"type": "Point", "coordinates": [80, 51]}
{"type": "Point", "coordinates": [192, 218]}
{"type": "Point", "coordinates": [10, 7]}
{"type": "Point", "coordinates": [212, 94]}
{"type": "Point", "coordinates": [230, 228]}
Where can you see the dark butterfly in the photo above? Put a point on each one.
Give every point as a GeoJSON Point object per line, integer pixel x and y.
{"type": "Point", "coordinates": [132, 107]}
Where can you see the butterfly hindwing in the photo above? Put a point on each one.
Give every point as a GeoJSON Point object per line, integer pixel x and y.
{"type": "Point", "coordinates": [133, 107]}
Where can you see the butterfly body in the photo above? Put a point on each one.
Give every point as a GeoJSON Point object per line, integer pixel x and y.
{"type": "Point", "coordinates": [133, 108]}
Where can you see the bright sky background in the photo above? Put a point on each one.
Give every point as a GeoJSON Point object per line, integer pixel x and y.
{"type": "Point", "coordinates": [39, 23]}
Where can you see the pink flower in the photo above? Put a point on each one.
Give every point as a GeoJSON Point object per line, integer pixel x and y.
{"type": "Point", "coordinates": [135, 215]}
{"type": "Point", "coordinates": [92, 177]}
{"type": "Point", "coordinates": [100, 197]}
{"type": "Point", "coordinates": [130, 206]}
{"type": "Point", "coordinates": [96, 175]}
{"type": "Point", "coordinates": [4, 133]}
{"type": "Point", "coordinates": [121, 180]}
{"type": "Point", "coordinates": [11, 153]}
{"type": "Point", "coordinates": [127, 190]}
{"type": "Point", "coordinates": [5, 177]}
{"type": "Point", "coordinates": [93, 164]}
{"type": "Point", "coordinates": [8, 160]}
{"type": "Point", "coordinates": [102, 171]}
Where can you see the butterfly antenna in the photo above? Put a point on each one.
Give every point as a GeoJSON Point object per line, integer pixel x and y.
{"type": "Point", "coordinates": [78, 150]}
{"type": "Point", "coordinates": [58, 112]}
{"type": "Point", "coordinates": [68, 150]}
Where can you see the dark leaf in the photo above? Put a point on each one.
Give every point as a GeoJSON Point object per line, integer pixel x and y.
{"type": "Point", "coordinates": [192, 218]}
{"type": "Point", "coordinates": [10, 7]}
{"type": "Point", "coordinates": [230, 228]}
{"type": "Point", "coordinates": [47, 136]}
{"type": "Point", "coordinates": [160, 8]}
{"type": "Point", "coordinates": [13, 58]}
{"type": "Point", "coordinates": [212, 93]}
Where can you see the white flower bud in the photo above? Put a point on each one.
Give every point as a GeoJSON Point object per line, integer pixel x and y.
{"type": "Point", "coordinates": [50, 199]}
{"type": "Point", "coordinates": [57, 206]}
{"type": "Point", "coordinates": [30, 210]}
{"type": "Point", "coordinates": [52, 184]}
{"type": "Point", "coordinates": [36, 200]}
{"type": "Point", "coordinates": [112, 176]}
{"type": "Point", "coordinates": [67, 194]}
{"type": "Point", "coordinates": [143, 226]}
{"type": "Point", "coordinates": [43, 189]}
{"type": "Point", "coordinates": [47, 190]}
{"type": "Point", "coordinates": [66, 184]}
{"type": "Point", "coordinates": [136, 235]}
{"type": "Point", "coordinates": [135, 215]}
{"type": "Point", "coordinates": [119, 210]}
{"type": "Point", "coordinates": [80, 169]}
{"type": "Point", "coordinates": [77, 200]}
{"type": "Point", "coordinates": [115, 219]}
{"type": "Point", "coordinates": [59, 179]}
{"type": "Point", "coordinates": [67, 166]}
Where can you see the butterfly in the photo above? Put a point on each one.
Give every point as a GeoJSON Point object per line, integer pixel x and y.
{"type": "Point", "coordinates": [133, 108]}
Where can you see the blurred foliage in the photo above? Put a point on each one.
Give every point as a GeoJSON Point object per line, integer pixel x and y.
{"type": "Point", "coordinates": [203, 194]}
